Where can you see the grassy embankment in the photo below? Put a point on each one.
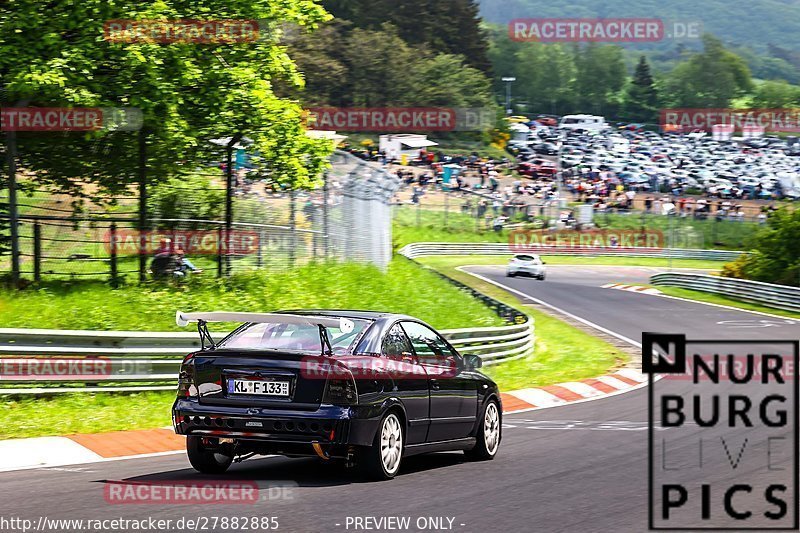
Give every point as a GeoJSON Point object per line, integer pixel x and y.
{"type": "Point", "coordinates": [404, 288]}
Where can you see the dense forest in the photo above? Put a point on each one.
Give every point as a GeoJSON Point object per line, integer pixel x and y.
{"type": "Point", "coordinates": [442, 53]}
{"type": "Point", "coordinates": [765, 32]}
{"type": "Point", "coordinates": [757, 23]}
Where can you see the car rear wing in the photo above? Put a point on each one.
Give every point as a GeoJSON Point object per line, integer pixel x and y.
{"type": "Point", "coordinates": [345, 325]}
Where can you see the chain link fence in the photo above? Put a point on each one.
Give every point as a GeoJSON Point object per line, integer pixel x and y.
{"type": "Point", "coordinates": [437, 215]}
{"type": "Point", "coordinates": [360, 222]}
{"type": "Point", "coordinates": [348, 218]}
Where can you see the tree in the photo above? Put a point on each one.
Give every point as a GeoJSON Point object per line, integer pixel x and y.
{"type": "Point", "coordinates": [5, 239]}
{"type": "Point", "coordinates": [641, 102]}
{"type": "Point", "coordinates": [456, 29]}
{"type": "Point", "coordinates": [377, 68]}
{"type": "Point", "coordinates": [380, 68]}
{"type": "Point", "coordinates": [446, 80]}
{"type": "Point", "coordinates": [545, 72]}
{"type": "Point", "coordinates": [776, 94]}
{"type": "Point", "coordinates": [600, 75]}
{"type": "Point", "coordinates": [711, 78]}
{"type": "Point", "coordinates": [171, 199]}
{"type": "Point", "coordinates": [559, 90]}
{"type": "Point", "coordinates": [187, 93]}
{"type": "Point", "coordinates": [775, 254]}
{"type": "Point", "coordinates": [502, 54]}
{"type": "Point", "coordinates": [319, 57]}
{"type": "Point", "coordinates": [444, 26]}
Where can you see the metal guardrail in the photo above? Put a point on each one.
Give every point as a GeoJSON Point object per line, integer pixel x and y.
{"type": "Point", "coordinates": [421, 249]}
{"type": "Point", "coordinates": [767, 294]}
{"type": "Point", "coordinates": [520, 340]}
{"type": "Point", "coordinates": [41, 361]}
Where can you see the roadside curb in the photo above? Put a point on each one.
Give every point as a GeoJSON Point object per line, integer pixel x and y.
{"type": "Point", "coordinates": [632, 288]}
{"type": "Point", "coordinates": [50, 452]}
{"type": "Point", "coordinates": [623, 380]}
{"type": "Point", "coordinates": [530, 399]}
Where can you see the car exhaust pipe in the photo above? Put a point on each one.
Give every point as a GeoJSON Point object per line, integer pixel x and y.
{"type": "Point", "coordinates": [320, 452]}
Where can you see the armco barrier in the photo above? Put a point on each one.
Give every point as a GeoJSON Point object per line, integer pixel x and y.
{"type": "Point", "coordinates": [421, 249]}
{"type": "Point", "coordinates": [768, 294]}
{"type": "Point", "coordinates": [32, 360]}
{"type": "Point", "coordinates": [514, 347]}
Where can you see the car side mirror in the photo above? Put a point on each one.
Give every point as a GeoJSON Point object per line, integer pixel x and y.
{"type": "Point", "coordinates": [472, 362]}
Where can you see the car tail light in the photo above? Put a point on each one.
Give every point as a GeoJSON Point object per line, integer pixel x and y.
{"type": "Point", "coordinates": [340, 388]}
{"type": "Point", "coordinates": [186, 385]}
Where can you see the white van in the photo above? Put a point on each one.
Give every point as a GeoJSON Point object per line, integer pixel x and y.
{"type": "Point", "coordinates": [790, 184]}
{"type": "Point", "coordinates": [591, 123]}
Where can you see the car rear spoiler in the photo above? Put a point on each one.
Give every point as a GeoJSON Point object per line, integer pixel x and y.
{"type": "Point", "coordinates": [345, 325]}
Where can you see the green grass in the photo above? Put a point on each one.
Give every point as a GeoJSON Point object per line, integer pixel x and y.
{"type": "Point", "coordinates": [403, 288]}
{"type": "Point", "coordinates": [460, 227]}
{"type": "Point", "coordinates": [687, 232]}
{"type": "Point", "coordinates": [440, 261]}
{"type": "Point", "coordinates": [562, 352]}
{"type": "Point", "coordinates": [84, 413]}
{"type": "Point", "coordinates": [723, 300]}
{"type": "Point", "coordinates": [427, 224]}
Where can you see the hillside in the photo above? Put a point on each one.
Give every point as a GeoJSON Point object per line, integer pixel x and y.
{"type": "Point", "coordinates": [753, 23]}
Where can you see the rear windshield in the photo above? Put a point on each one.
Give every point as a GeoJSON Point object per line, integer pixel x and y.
{"type": "Point", "coordinates": [526, 258]}
{"type": "Point", "coordinates": [292, 337]}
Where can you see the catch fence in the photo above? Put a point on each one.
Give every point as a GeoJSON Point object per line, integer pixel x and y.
{"type": "Point", "coordinates": [348, 218]}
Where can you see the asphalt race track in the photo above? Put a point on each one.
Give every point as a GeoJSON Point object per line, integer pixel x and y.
{"type": "Point", "coordinates": [576, 468]}
{"type": "Point", "coordinates": [578, 291]}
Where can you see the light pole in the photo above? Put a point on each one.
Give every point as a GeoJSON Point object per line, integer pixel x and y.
{"type": "Point", "coordinates": [560, 170]}
{"type": "Point", "coordinates": [508, 81]}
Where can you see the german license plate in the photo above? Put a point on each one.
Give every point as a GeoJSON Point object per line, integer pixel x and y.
{"type": "Point", "coordinates": [261, 388]}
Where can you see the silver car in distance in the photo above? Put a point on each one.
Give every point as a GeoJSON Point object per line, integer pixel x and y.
{"type": "Point", "coordinates": [526, 265]}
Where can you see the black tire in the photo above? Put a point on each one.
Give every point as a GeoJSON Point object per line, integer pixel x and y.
{"type": "Point", "coordinates": [372, 460]}
{"type": "Point", "coordinates": [510, 274]}
{"type": "Point", "coordinates": [541, 277]}
{"type": "Point", "coordinates": [208, 460]}
{"type": "Point", "coordinates": [486, 449]}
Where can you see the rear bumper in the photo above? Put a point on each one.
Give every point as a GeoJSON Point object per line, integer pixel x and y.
{"type": "Point", "coordinates": [328, 425]}
{"type": "Point", "coordinates": [530, 271]}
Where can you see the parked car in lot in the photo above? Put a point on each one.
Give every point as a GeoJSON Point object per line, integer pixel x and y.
{"type": "Point", "coordinates": [363, 387]}
{"type": "Point", "coordinates": [526, 265]}
{"type": "Point", "coordinates": [672, 162]}
{"type": "Point", "coordinates": [546, 148]}
{"type": "Point", "coordinates": [537, 167]}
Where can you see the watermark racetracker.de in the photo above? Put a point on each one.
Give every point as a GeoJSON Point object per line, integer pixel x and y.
{"type": "Point", "coordinates": [46, 119]}
{"type": "Point", "coordinates": [183, 31]}
{"type": "Point", "coordinates": [190, 242]}
{"type": "Point", "coordinates": [389, 367]}
{"type": "Point", "coordinates": [543, 240]}
{"type": "Point", "coordinates": [70, 368]}
{"type": "Point", "coordinates": [401, 119]}
{"type": "Point", "coordinates": [201, 522]}
{"type": "Point", "coordinates": [196, 492]}
{"type": "Point", "coordinates": [616, 30]}
{"type": "Point", "coordinates": [785, 120]}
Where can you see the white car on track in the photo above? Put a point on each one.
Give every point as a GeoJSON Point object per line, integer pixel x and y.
{"type": "Point", "coordinates": [526, 265]}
